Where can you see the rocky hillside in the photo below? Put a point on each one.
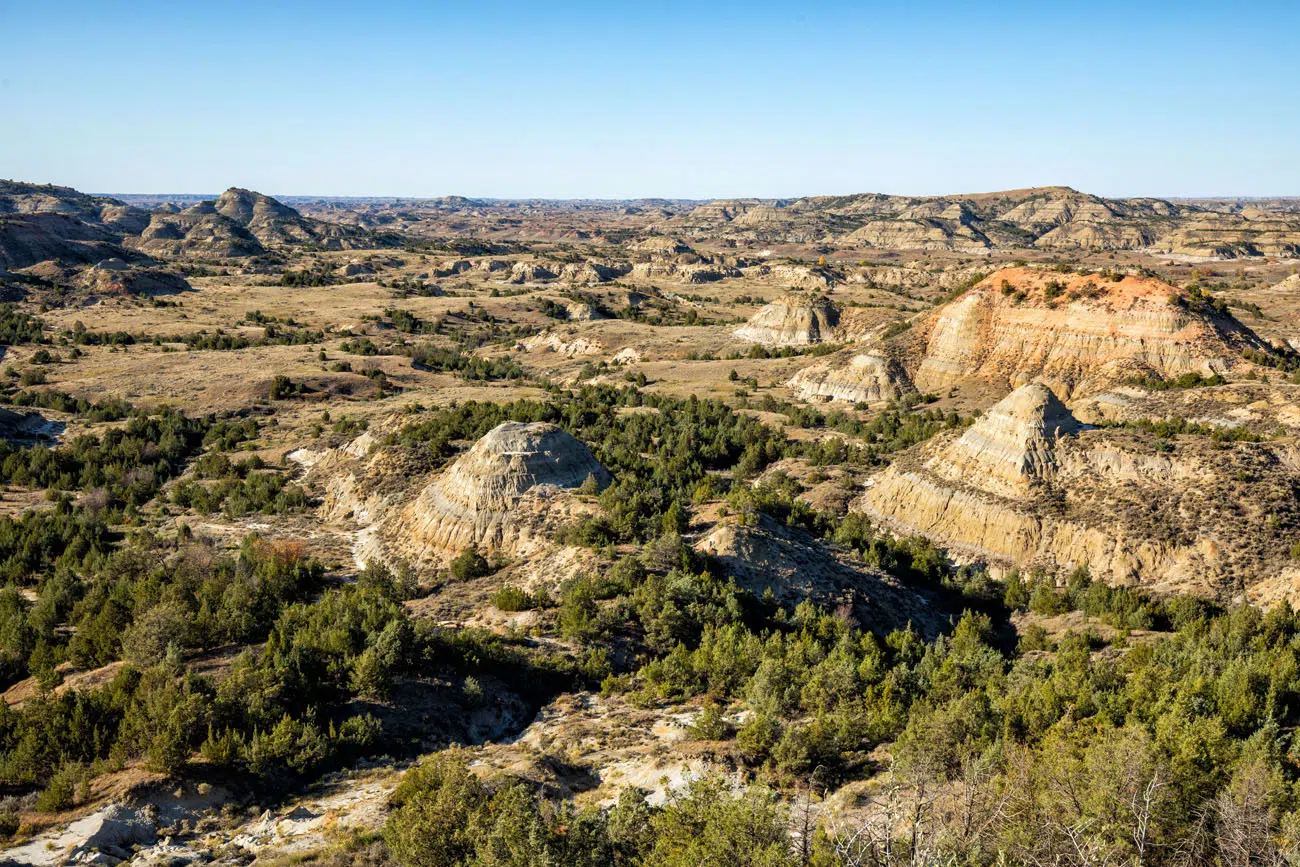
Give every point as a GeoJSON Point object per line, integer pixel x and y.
{"type": "Point", "coordinates": [854, 376]}
{"type": "Point", "coordinates": [1078, 333]}
{"type": "Point", "coordinates": [42, 223]}
{"type": "Point", "coordinates": [276, 224]}
{"type": "Point", "coordinates": [505, 495]}
{"type": "Point", "coordinates": [63, 231]}
{"type": "Point", "coordinates": [793, 567]}
{"type": "Point", "coordinates": [1030, 486]}
{"type": "Point", "coordinates": [29, 239]}
{"type": "Point", "coordinates": [112, 214]}
{"type": "Point", "coordinates": [793, 320]}
{"type": "Point", "coordinates": [199, 232]}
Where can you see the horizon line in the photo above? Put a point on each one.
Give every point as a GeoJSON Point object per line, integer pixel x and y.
{"type": "Point", "coordinates": [670, 198]}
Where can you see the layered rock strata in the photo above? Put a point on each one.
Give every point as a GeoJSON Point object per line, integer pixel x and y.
{"type": "Point", "coordinates": [792, 320]}
{"type": "Point", "coordinates": [505, 494]}
{"type": "Point", "coordinates": [865, 377]}
{"type": "Point", "coordinates": [1027, 485]}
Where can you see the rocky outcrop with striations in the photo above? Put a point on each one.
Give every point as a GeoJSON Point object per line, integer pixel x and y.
{"type": "Point", "coordinates": [793, 320]}
{"type": "Point", "coordinates": [108, 213]}
{"type": "Point", "coordinates": [1248, 232]}
{"type": "Point", "coordinates": [919, 234]}
{"type": "Point", "coordinates": [276, 224]}
{"type": "Point", "coordinates": [590, 273]}
{"type": "Point", "coordinates": [1072, 331]}
{"type": "Point", "coordinates": [197, 231]}
{"type": "Point", "coordinates": [1078, 334]}
{"type": "Point", "coordinates": [115, 277]}
{"type": "Point", "coordinates": [661, 245]}
{"type": "Point", "coordinates": [1027, 485]}
{"type": "Point", "coordinates": [27, 239]}
{"type": "Point", "coordinates": [1012, 447]}
{"type": "Point", "coordinates": [570, 344]}
{"type": "Point", "coordinates": [505, 494]}
{"type": "Point", "coordinates": [865, 377]}
{"type": "Point", "coordinates": [914, 275]}
{"type": "Point", "coordinates": [1054, 218]}
{"type": "Point", "coordinates": [43, 223]}
{"type": "Point", "coordinates": [688, 273]}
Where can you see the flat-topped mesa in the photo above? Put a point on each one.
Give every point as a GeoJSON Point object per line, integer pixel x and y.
{"type": "Point", "coordinates": [793, 320]}
{"type": "Point", "coordinates": [866, 378]}
{"type": "Point", "coordinates": [1012, 446]}
{"type": "Point", "coordinates": [500, 495]}
{"type": "Point", "coordinates": [1073, 332]}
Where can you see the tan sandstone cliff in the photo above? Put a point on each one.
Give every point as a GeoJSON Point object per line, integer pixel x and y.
{"type": "Point", "coordinates": [1078, 333]}
{"type": "Point", "coordinates": [1030, 486]}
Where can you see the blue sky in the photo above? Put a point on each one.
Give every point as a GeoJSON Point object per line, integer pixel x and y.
{"type": "Point", "coordinates": [692, 100]}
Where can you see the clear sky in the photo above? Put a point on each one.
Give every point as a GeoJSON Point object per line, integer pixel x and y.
{"type": "Point", "coordinates": [689, 100]}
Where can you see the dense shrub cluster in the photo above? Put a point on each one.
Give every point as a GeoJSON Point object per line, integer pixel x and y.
{"type": "Point", "coordinates": [17, 327]}
{"type": "Point", "coordinates": [444, 816]}
{"type": "Point", "coordinates": [273, 335]}
{"type": "Point", "coordinates": [238, 488]}
{"type": "Point", "coordinates": [1145, 746]}
{"type": "Point", "coordinates": [464, 365]}
{"type": "Point", "coordinates": [128, 464]}
{"type": "Point", "coordinates": [111, 409]}
{"type": "Point", "coordinates": [1187, 380]}
{"type": "Point", "coordinates": [408, 323]}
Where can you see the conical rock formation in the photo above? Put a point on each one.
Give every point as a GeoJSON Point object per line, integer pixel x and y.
{"type": "Point", "coordinates": [1012, 446]}
{"type": "Point", "coordinates": [1028, 485]}
{"type": "Point", "coordinates": [504, 494]}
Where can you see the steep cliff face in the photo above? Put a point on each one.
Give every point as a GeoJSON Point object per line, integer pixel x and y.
{"type": "Point", "coordinates": [505, 494]}
{"type": "Point", "coordinates": [1030, 486]}
{"type": "Point", "coordinates": [793, 320]}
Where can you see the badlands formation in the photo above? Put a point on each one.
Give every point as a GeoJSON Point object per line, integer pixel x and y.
{"type": "Point", "coordinates": [1079, 334]}
{"type": "Point", "coordinates": [505, 497]}
{"type": "Point", "coordinates": [793, 320]}
{"type": "Point", "coordinates": [865, 377]}
{"type": "Point", "coordinates": [502, 496]}
{"type": "Point", "coordinates": [812, 416]}
{"type": "Point", "coordinates": [1058, 219]}
{"type": "Point", "coordinates": [1075, 334]}
{"type": "Point", "coordinates": [1029, 486]}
